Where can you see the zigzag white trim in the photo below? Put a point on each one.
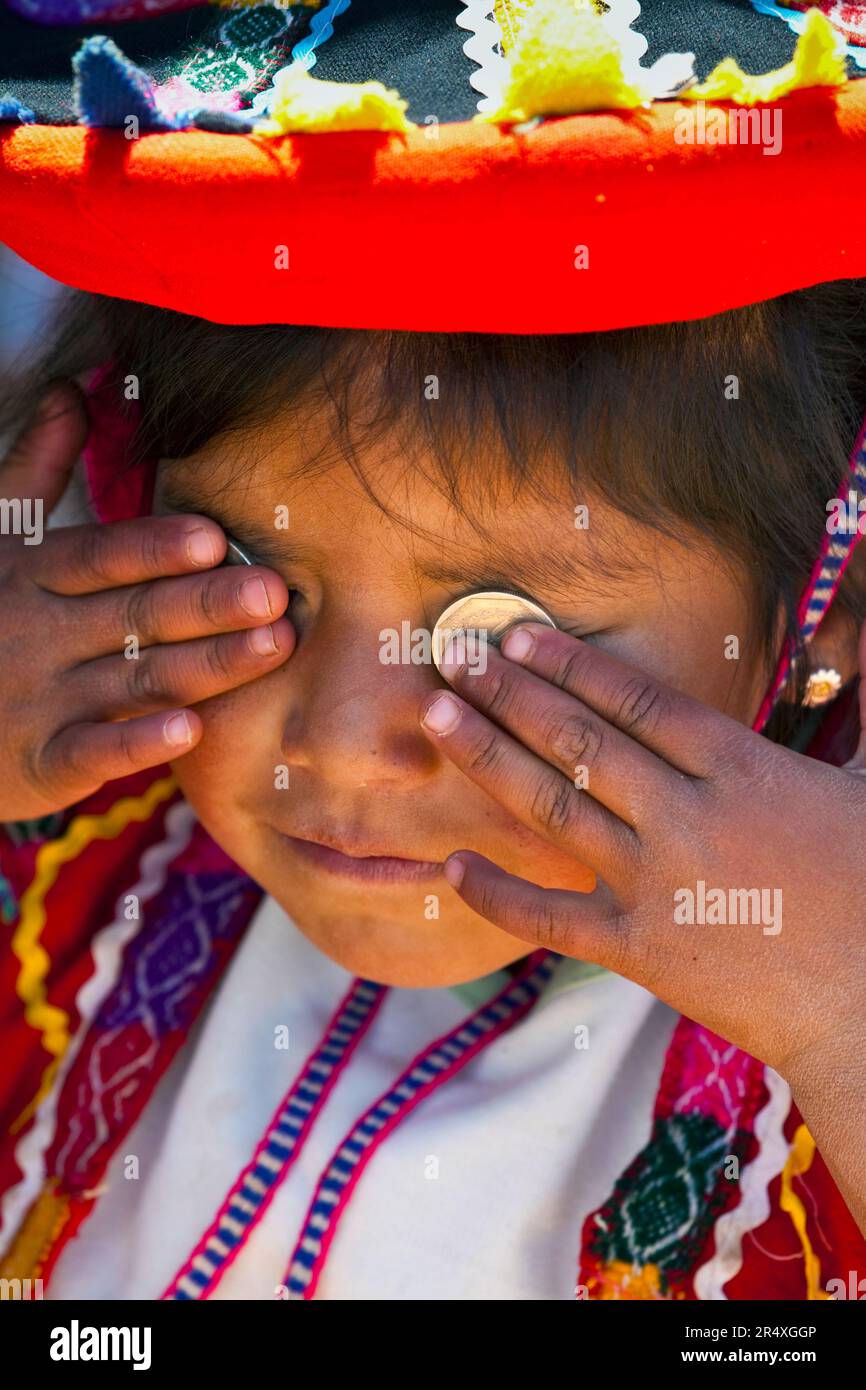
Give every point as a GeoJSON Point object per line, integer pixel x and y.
{"type": "Point", "coordinates": [753, 1207]}
{"type": "Point", "coordinates": [107, 950]}
{"type": "Point", "coordinates": [481, 48]}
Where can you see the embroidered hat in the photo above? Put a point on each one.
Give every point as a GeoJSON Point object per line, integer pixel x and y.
{"type": "Point", "coordinates": [511, 165]}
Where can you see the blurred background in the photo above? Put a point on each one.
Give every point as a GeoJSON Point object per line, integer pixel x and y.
{"type": "Point", "coordinates": [27, 304]}
{"type": "Point", "coordinates": [26, 299]}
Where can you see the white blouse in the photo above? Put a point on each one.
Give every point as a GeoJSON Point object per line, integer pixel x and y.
{"type": "Point", "coordinates": [482, 1191]}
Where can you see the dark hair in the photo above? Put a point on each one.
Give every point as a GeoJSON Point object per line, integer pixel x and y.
{"type": "Point", "coordinates": [639, 416]}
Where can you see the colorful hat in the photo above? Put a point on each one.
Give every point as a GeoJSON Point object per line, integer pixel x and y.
{"type": "Point", "coordinates": [513, 165]}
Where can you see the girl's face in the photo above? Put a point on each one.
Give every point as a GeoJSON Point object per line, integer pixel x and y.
{"type": "Point", "coordinates": [317, 778]}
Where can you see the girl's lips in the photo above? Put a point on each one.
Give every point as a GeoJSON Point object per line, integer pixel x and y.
{"type": "Point", "coordinates": [371, 868]}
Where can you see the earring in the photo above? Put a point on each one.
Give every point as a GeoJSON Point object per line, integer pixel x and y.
{"type": "Point", "coordinates": [822, 687]}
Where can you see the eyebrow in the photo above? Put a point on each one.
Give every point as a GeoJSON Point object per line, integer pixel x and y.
{"type": "Point", "coordinates": [545, 571]}
{"type": "Point", "coordinates": [267, 545]}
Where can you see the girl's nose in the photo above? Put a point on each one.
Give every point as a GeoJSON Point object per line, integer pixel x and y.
{"type": "Point", "coordinates": [352, 710]}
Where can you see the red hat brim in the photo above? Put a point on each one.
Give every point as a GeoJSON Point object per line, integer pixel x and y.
{"type": "Point", "coordinates": [475, 229]}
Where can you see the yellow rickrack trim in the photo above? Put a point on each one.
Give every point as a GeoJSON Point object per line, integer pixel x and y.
{"type": "Point", "coordinates": [52, 1022]}
{"type": "Point", "coordinates": [37, 1234]}
{"type": "Point", "coordinates": [799, 1161]}
{"type": "Point", "coordinates": [307, 103]}
{"type": "Point", "coordinates": [563, 61]}
{"type": "Point", "coordinates": [818, 61]}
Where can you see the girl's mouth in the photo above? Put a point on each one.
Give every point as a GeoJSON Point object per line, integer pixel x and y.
{"type": "Point", "coordinates": [370, 868]}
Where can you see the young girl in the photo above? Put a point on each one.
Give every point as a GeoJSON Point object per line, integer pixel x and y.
{"type": "Point", "coordinates": [381, 991]}
{"type": "Point", "coordinates": [343, 960]}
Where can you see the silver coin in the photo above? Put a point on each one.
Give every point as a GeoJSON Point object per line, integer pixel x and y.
{"type": "Point", "coordinates": [235, 554]}
{"type": "Point", "coordinates": [483, 617]}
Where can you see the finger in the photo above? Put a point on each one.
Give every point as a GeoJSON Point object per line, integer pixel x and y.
{"type": "Point", "coordinates": [687, 734]}
{"type": "Point", "coordinates": [528, 787]}
{"type": "Point", "coordinates": [180, 674]}
{"type": "Point", "coordinates": [78, 560]}
{"type": "Point", "coordinates": [39, 463]}
{"type": "Point", "coordinates": [574, 924]}
{"type": "Point", "coordinates": [593, 754]}
{"type": "Point", "coordinates": [177, 610]}
{"type": "Point", "coordinates": [82, 757]}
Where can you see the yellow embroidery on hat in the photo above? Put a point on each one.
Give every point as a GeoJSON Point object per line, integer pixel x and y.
{"type": "Point", "coordinates": [564, 60]}
{"type": "Point", "coordinates": [510, 14]}
{"type": "Point", "coordinates": [818, 61]}
{"type": "Point", "coordinates": [303, 102]}
{"type": "Point", "coordinates": [799, 1162]}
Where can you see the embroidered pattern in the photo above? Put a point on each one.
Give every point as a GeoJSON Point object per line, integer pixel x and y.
{"type": "Point", "coordinates": [651, 1231]}
{"type": "Point", "coordinates": [433, 1066]}
{"type": "Point", "coordinates": [167, 971]}
{"type": "Point", "coordinates": [753, 1207]}
{"type": "Point", "coordinates": [281, 1144]}
{"type": "Point", "coordinates": [106, 950]}
{"type": "Point", "coordinates": [246, 48]}
{"type": "Point", "coordinates": [93, 11]}
{"type": "Point", "coordinates": [849, 19]}
{"type": "Point", "coordinates": [26, 946]}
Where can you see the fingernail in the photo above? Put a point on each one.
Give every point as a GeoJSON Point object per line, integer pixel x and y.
{"type": "Point", "coordinates": [253, 598]}
{"type": "Point", "coordinates": [262, 641]}
{"type": "Point", "coordinates": [453, 657]}
{"type": "Point", "coordinates": [517, 644]}
{"type": "Point", "coordinates": [201, 547]}
{"type": "Point", "coordinates": [177, 731]}
{"type": "Point", "coordinates": [454, 869]}
{"type": "Point", "coordinates": [442, 716]}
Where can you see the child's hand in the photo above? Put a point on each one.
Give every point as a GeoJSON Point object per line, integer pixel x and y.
{"type": "Point", "coordinates": [676, 793]}
{"type": "Point", "coordinates": [70, 606]}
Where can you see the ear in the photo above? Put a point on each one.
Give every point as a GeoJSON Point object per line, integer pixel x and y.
{"type": "Point", "coordinates": [858, 762]}
{"type": "Point", "coordinates": [835, 644]}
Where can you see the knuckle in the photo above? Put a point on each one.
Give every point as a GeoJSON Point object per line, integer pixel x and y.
{"type": "Point", "coordinates": [126, 745]}
{"type": "Point", "coordinates": [575, 739]}
{"type": "Point", "coordinates": [40, 768]}
{"type": "Point", "coordinates": [554, 805]}
{"type": "Point", "coordinates": [145, 684]}
{"type": "Point", "coordinates": [490, 902]}
{"type": "Point", "coordinates": [546, 927]}
{"type": "Point", "coordinates": [569, 669]}
{"type": "Point", "coordinates": [499, 692]}
{"type": "Point", "coordinates": [150, 549]}
{"type": "Point", "coordinates": [141, 613]}
{"type": "Point", "coordinates": [209, 601]}
{"type": "Point", "coordinates": [641, 706]}
{"type": "Point", "coordinates": [94, 557]}
{"type": "Point", "coordinates": [217, 657]}
{"type": "Point", "coordinates": [484, 754]}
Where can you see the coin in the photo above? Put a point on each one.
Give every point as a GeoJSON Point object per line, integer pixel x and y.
{"type": "Point", "coordinates": [483, 617]}
{"type": "Point", "coordinates": [235, 554]}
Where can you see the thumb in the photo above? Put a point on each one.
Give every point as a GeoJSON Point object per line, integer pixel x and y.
{"type": "Point", "coordinates": [41, 459]}
{"type": "Point", "coordinates": [858, 762]}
